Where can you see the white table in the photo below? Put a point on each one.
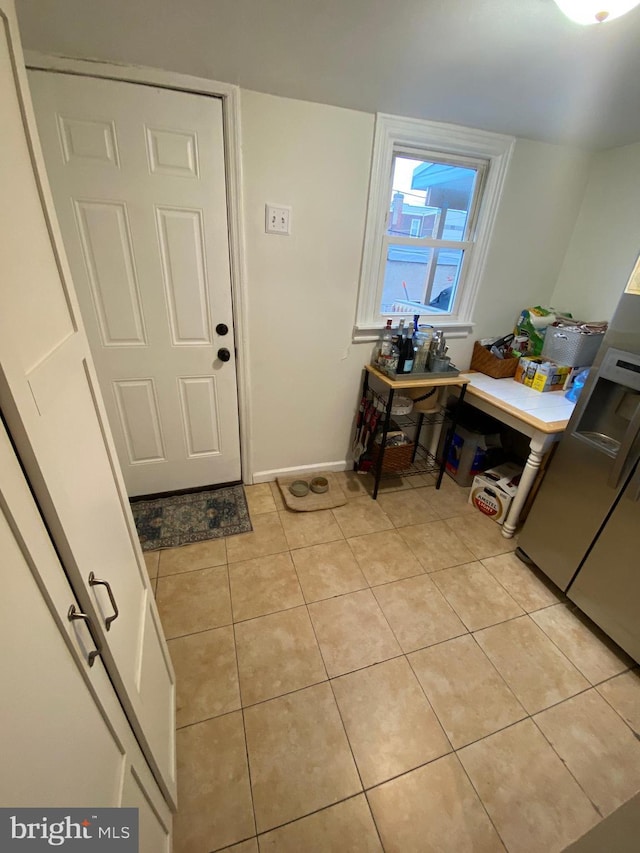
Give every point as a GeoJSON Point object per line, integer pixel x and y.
{"type": "Point", "coordinates": [542, 416]}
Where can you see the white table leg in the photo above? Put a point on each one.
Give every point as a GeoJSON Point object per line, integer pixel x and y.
{"type": "Point", "coordinates": [538, 446]}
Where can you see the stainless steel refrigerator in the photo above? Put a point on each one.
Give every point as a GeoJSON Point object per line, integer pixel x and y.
{"type": "Point", "coordinates": [583, 530]}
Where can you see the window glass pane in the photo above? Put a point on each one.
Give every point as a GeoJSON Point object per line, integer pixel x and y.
{"type": "Point", "coordinates": [417, 277]}
{"type": "Point", "coordinates": [430, 199]}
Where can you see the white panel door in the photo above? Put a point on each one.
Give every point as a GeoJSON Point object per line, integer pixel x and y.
{"type": "Point", "coordinates": [138, 179]}
{"type": "Point", "coordinates": [50, 399]}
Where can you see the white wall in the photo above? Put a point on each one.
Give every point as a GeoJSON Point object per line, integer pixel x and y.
{"type": "Point", "coordinates": [606, 239]}
{"type": "Point", "coordinates": [303, 288]}
{"type": "Point", "coordinates": [541, 200]}
{"type": "Point", "coordinates": [305, 372]}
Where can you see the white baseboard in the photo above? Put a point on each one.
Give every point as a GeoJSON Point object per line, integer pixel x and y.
{"type": "Point", "coordinates": [303, 470]}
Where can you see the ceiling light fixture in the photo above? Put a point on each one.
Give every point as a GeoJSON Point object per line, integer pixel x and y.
{"type": "Point", "coordinates": [595, 11]}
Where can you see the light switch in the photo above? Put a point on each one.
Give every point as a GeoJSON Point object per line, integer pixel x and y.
{"type": "Point", "coordinates": [277, 219]}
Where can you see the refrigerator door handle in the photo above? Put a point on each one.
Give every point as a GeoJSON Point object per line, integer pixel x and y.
{"type": "Point", "coordinates": [625, 448]}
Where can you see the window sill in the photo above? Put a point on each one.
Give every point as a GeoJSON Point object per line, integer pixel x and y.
{"type": "Point", "coordinates": [451, 328]}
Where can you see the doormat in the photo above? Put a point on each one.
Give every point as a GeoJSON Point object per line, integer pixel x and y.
{"type": "Point", "coordinates": [195, 517]}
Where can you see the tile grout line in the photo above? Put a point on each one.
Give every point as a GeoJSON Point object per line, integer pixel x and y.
{"type": "Point", "coordinates": [309, 617]}
{"type": "Point", "coordinates": [244, 724]}
{"type": "Point", "coordinates": [309, 814]}
{"type": "Point", "coordinates": [575, 665]}
{"type": "Point", "coordinates": [235, 844]}
{"type": "Point", "coordinates": [588, 689]}
{"type": "Point", "coordinates": [328, 681]}
{"type": "Point", "coordinates": [404, 655]}
{"type": "Point", "coordinates": [625, 721]}
{"type": "Point", "coordinates": [346, 734]}
{"type": "Point", "coordinates": [344, 728]}
{"type": "Point", "coordinates": [481, 801]}
{"type": "Point", "coordinates": [500, 675]}
{"type": "Point", "coordinates": [564, 655]}
{"type": "Point", "coordinates": [551, 589]}
{"type": "Point", "coordinates": [566, 766]}
{"type": "Point", "coordinates": [426, 696]}
{"type": "Point", "coordinates": [203, 631]}
{"type": "Point", "coordinates": [375, 822]}
{"type": "Point", "coordinates": [192, 571]}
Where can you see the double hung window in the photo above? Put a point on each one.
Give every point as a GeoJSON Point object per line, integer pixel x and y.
{"type": "Point", "coordinates": [434, 194]}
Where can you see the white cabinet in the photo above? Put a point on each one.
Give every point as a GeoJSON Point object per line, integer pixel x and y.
{"type": "Point", "coordinates": [51, 404]}
{"type": "Point", "coordinates": [65, 740]}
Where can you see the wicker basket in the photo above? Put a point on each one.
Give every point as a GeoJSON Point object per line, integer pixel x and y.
{"type": "Point", "coordinates": [486, 362]}
{"type": "Point", "coordinates": [395, 458]}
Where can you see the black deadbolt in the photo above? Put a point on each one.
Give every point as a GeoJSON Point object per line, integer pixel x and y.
{"type": "Point", "coordinates": [224, 354]}
{"type": "Point", "coordinates": [222, 329]}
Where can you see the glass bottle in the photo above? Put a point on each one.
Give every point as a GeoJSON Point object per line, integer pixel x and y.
{"type": "Point", "coordinates": [405, 362]}
{"type": "Point", "coordinates": [385, 348]}
{"type": "Point", "coordinates": [422, 344]}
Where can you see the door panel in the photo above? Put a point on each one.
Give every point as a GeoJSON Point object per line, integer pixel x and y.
{"type": "Point", "coordinates": [199, 399]}
{"type": "Point", "coordinates": [153, 676]}
{"type": "Point", "coordinates": [172, 153]}
{"type": "Point", "coordinates": [154, 834]}
{"type": "Point", "coordinates": [88, 140]}
{"type": "Point", "coordinates": [138, 178]}
{"type": "Point", "coordinates": [51, 402]}
{"type": "Point", "coordinates": [182, 253]}
{"type": "Point", "coordinates": [105, 237]}
{"type": "Point", "coordinates": [137, 404]}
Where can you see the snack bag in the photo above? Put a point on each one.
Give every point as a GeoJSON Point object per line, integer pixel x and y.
{"type": "Point", "coordinates": [533, 323]}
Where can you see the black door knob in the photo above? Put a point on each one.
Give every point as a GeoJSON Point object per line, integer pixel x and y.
{"type": "Point", "coordinates": [222, 329]}
{"type": "Point", "coordinates": [224, 354]}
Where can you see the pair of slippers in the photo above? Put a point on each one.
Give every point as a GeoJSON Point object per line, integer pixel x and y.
{"type": "Point", "coordinates": [300, 488]}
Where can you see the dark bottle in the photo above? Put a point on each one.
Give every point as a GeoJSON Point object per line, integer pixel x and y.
{"type": "Point", "coordinates": [405, 361]}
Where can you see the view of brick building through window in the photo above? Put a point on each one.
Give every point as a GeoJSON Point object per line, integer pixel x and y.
{"type": "Point", "coordinates": [428, 215]}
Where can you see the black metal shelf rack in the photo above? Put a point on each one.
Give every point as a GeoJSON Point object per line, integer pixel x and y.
{"type": "Point", "coordinates": [422, 460]}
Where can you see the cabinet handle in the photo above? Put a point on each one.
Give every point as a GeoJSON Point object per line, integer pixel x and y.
{"type": "Point", "coordinates": [93, 581]}
{"type": "Point", "coordinates": [77, 614]}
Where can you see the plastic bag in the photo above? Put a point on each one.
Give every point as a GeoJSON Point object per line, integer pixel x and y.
{"type": "Point", "coordinates": [533, 323]}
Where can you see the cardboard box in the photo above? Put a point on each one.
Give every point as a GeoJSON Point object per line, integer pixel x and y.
{"type": "Point", "coordinates": [493, 491]}
{"type": "Point", "coordinates": [541, 375]}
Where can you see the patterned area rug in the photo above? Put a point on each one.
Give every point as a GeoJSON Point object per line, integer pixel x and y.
{"type": "Point", "coordinates": [182, 519]}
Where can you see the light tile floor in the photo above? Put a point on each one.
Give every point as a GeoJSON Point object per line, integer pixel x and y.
{"type": "Point", "coordinates": [387, 676]}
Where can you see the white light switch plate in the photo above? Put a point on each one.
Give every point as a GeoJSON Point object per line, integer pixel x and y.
{"type": "Point", "coordinates": [277, 219]}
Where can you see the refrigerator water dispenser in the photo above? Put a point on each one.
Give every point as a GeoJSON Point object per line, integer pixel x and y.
{"type": "Point", "coordinates": [610, 418]}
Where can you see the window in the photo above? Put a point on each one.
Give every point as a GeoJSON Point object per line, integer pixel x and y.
{"type": "Point", "coordinates": [433, 198]}
{"type": "Point", "coordinates": [415, 226]}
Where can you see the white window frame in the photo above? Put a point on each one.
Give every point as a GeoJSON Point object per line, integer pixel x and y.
{"type": "Point", "coordinates": [397, 135]}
